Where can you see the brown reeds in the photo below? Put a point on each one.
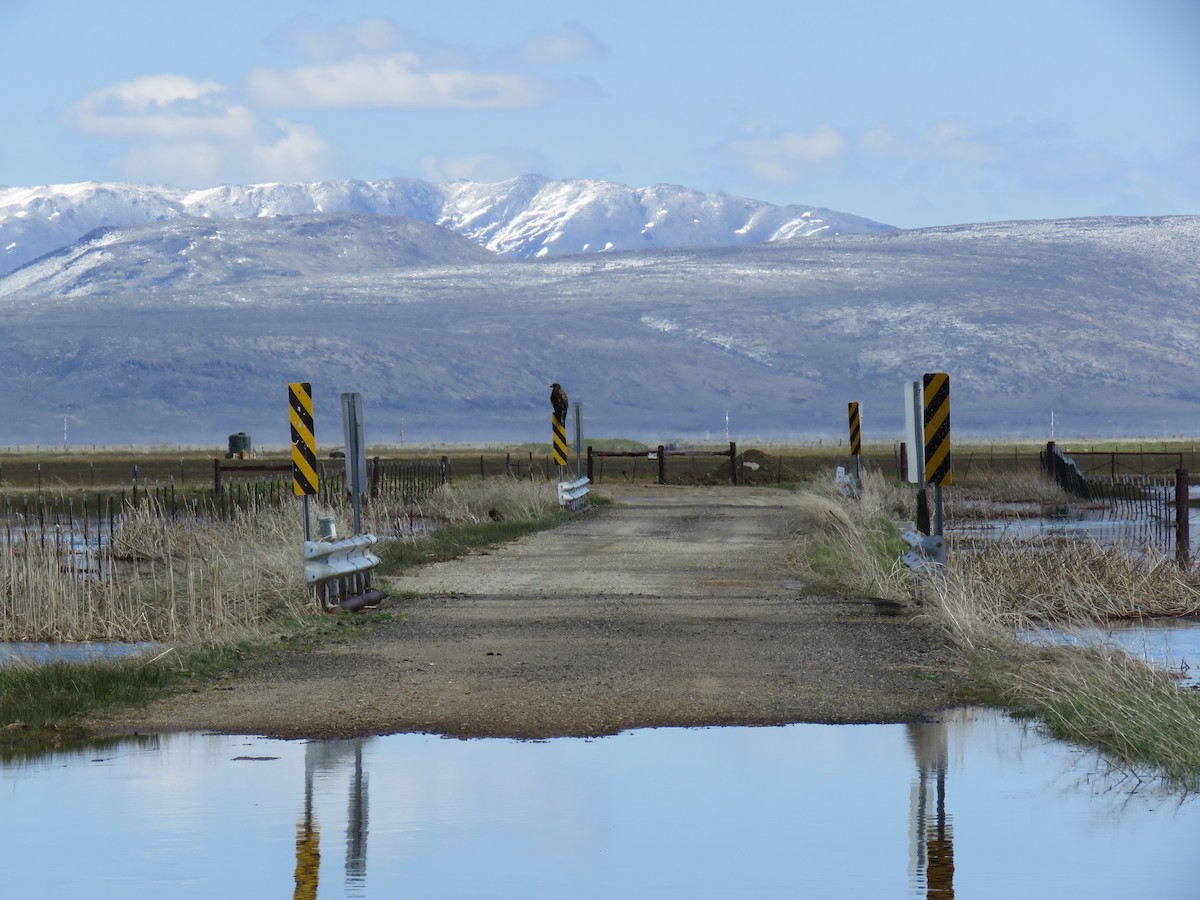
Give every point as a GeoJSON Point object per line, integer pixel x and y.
{"type": "Point", "coordinates": [166, 578]}
{"type": "Point", "coordinates": [990, 598]}
{"type": "Point", "coordinates": [158, 579]}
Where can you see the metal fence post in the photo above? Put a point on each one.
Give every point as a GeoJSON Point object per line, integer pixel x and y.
{"type": "Point", "coordinates": [1183, 538]}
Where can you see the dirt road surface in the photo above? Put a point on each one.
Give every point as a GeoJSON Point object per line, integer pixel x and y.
{"type": "Point", "coordinates": [673, 606]}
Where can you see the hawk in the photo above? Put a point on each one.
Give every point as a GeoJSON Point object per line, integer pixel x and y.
{"type": "Point", "coordinates": [558, 399]}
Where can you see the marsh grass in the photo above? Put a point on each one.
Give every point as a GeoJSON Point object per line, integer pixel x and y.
{"type": "Point", "coordinates": [470, 516]}
{"type": "Point", "coordinates": [491, 499]}
{"type": "Point", "coordinates": [217, 592]}
{"type": "Point", "coordinates": [994, 593]}
{"type": "Point", "coordinates": [157, 579]}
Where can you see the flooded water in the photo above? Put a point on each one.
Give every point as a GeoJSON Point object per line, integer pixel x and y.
{"type": "Point", "coordinates": [16, 652]}
{"type": "Point", "coordinates": [979, 805]}
{"type": "Point", "coordinates": [1171, 644]}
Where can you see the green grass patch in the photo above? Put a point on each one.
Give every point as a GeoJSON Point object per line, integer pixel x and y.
{"type": "Point", "coordinates": [46, 705]}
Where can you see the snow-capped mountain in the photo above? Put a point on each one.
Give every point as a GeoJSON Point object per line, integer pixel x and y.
{"type": "Point", "coordinates": [188, 330]}
{"type": "Point", "coordinates": [529, 216]}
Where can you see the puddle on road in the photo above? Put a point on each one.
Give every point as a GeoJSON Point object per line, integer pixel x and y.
{"type": "Point", "coordinates": [979, 805]}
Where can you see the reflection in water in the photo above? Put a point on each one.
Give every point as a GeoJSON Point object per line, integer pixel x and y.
{"type": "Point", "coordinates": [804, 810]}
{"type": "Point", "coordinates": [933, 841]}
{"type": "Point", "coordinates": [328, 757]}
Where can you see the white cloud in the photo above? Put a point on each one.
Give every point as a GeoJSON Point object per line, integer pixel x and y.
{"type": "Point", "coordinates": [281, 152]}
{"type": "Point", "coordinates": [956, 141]}
{"type": "Point", "coordinates": [949, 140]}
{"type": "Point", "coordinates": [485, 168]}
{"type": "Point", "coordinates": [568, 44]}
{"type": "Point", "coordinates": [191, 133]}
{"type": "Point", "coordinates": [169, 107]}
{"type": "Point", "coordinates": [782, 158]}
{"type": "Point", "coordinates": [396, 81]}
{"type": "Point", "coordinates": [370, 36]}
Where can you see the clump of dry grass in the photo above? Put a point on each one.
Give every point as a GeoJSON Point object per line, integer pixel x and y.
{"type": "Point", "coordinates": [852, 545]}
{"type": "Point", "coordinates": [1099, 696]}
{"type": "Point", "coordinates": [1056, 580]}
{"type": "Point", "coordinates": [992, 593]}
{"type": "Point", "coordinates": [490, 499]}
{"type": "Point", "coordinates": [1088, 692]}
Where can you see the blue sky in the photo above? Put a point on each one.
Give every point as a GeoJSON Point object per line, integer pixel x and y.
{"type": "Point", "coordinates": [908, 113]}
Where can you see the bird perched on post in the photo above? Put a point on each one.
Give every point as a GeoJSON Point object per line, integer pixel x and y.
{"type": "Point", "coordinates": [558, 399]}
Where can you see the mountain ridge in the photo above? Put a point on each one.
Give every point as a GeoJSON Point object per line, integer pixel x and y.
{"type": "Point", "coordinates": [527, 216]}
{"type": "Point", "coordinates": [1093, 318]}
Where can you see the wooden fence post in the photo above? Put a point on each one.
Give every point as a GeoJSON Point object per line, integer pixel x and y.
{"type": "Point", "coordinates": [662, 464]}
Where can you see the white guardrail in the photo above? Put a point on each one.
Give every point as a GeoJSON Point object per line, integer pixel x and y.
{"type": "Point", "coordinates": [573, 495]}
{"type": "Point", "coordinates": [340, 570]}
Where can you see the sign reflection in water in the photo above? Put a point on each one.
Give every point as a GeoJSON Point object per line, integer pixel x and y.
{"type": "Point", "coordinates": [977, 805]}
{"type": "Point", "coordinates": [330, 757]}
{"type": "Point", "coordinates": [933, 840]}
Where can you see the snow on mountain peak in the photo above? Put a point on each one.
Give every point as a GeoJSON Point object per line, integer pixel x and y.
{"type": "Point", "coordinates": [528, 216]}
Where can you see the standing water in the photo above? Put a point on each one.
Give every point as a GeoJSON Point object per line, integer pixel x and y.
{"type": "Point", "coordinates": [977, 805]}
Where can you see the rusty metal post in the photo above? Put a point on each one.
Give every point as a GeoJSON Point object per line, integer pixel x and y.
{"type": "Point", "coordinates": [1183, 536]}
{"type": "Point", "coordinates": [374, 476]}
{"type": "Point", "coordinates": [662, 464]}
{"type": "Point", "coordinates": [591, 480]}
{"type": "Point", "coordinates": [903, 474]}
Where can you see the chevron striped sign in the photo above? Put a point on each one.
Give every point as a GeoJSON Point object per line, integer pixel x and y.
{"type": "Point", "coordinates": [937, 429]}
{"type": "Point", "coordinates": [855, 430]}
{"type": "Point", "coordinates": [559, 430]}
{"type": "Point", "coordinates": [304, 442]}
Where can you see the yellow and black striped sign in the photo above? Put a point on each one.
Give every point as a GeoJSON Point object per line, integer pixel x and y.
{"type": "Point", "coordinates": [304, 443]}
{"type": "Point", "coordinates": [560, 439]}
{"type": "Point", "coordinates": [855, 430]}
{"type": "Point", "coordinates": [937, 428]}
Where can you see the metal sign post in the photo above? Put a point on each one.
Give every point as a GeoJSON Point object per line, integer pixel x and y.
{"type": "Point", "coordinates": [578, 439]}
{"type": "Point", "coordinates": [356, 453]}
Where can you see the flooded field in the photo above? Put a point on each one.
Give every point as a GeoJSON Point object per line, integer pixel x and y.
{"type": "Point", "coordinates": [979, 805]}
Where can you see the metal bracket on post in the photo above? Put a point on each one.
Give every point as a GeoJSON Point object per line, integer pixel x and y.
{"type": "Point", "coordinates": [928, 552]}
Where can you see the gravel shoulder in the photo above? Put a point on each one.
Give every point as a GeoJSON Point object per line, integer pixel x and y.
{"type": "Point", "coordinates": [673, 606]}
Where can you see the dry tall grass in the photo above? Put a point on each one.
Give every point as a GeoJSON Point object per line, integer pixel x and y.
{"type": "Point", "coordinates": [177, 579]}
{"type": "Point", "coordinates": [509, 499]}
{"type": "Point", "coordinates": [991, 594]}
{"type": "Point", "coordinates": [158, 579]}
{"type": "Point", "coordinates": [853, 545]}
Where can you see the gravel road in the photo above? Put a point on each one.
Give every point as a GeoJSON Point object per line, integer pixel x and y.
{"type": "Point", "coordinates": [673, 606]}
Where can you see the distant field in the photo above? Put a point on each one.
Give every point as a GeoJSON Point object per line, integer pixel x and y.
{"type": "Point", "coordinates": [53, 470]}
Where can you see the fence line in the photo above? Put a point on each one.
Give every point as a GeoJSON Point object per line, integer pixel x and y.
{"type": "Point", "coordinates": [1159, 499]}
